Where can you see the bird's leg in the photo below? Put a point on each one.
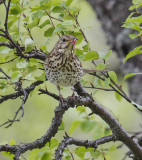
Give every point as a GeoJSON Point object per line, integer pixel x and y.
{"type": "Point", "coordinates": [60, 95]}
{"type": "Point", "coordinates": [73, 94]}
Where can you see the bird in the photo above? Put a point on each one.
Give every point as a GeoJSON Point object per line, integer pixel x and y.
{"type": "Point", "coordinates": [62, 66]}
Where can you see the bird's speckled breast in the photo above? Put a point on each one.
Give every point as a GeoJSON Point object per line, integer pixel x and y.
{"type": "Point", "coordinates": [63, 69]}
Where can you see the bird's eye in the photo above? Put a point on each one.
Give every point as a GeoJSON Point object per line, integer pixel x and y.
{"type": "Point", "coordinates": [64, 40]}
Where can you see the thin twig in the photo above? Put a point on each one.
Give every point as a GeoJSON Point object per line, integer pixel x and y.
{"type": "Point", "coordinates": [70, 153]}
{"type": "Point", "coordinates": [76, 20]}
{"type": "Point", "coordinates": [7, 13]}
{"type": "Point", "coordinates": [9, 60]}
{"type": "Point", "coordinates": [15, 119]}
{"type": "Point", "coordinates": [6, 44]}
{"type": "Point", "coordinates": [42, 91]}
{"type": "Point", "coordinates": [56, 19]}
{"type": "Point", "coordinates": [4, 73]}
{"type": "Point", "coordinates": [50, 17]}
{"type": "Point", "coordinates": [93, 87]}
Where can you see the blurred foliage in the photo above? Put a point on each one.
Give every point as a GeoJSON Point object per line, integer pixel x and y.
{"type": "Point", "coordinates": [134, 22]}
{"type": "Point", "coordinates": [59, 17]}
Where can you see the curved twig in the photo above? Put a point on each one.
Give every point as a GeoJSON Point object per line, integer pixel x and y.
{"type": "Point", "coordinates": [72, 141]}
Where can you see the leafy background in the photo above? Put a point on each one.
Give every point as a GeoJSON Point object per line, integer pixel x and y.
{"type": "Point", "coordinates": [39, 110]}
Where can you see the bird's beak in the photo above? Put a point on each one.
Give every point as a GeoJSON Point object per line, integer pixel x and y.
{"type": "Point", "coordinates": [75, 40]}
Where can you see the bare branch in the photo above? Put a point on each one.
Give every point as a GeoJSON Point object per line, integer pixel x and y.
{"type": "Point", "coordinates": [50, 17]}
{"type": "Point", "coordinates": [6, 44]}
{"type": "Point", "coordinates": [49, 93]}
{"type": "Point", "coordinates": [33, 54]}
{"type": "Point", "coordinates": [3, 35]}
{"type": "Point", "coordinates": [4, 73]}
{"type": "Point", "coordinates": [20, 93]}
{"type": "Point", "coordinates": [9, 60]}
{"type": "Point", "coordinates": [72, 141]}
{"type": "Point", "coordinates": [15, 119]}
{"type": "Point", "coordinates": [7, 12]}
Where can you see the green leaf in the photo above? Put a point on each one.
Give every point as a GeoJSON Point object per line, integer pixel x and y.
{"type": "Point", "coordinates": [133, 53]}
{"type": "Point", "coordinates": [43, 1]}
{"type": "Point", "coordinates": [58, 9]}
{"type": "Point", "coordinates": [59, 29]}
{"type": "Point", "coordinates": [107, 131]}
{"type": "Point", "coordinates": [67, 23]}
{"type": "Point", "coordinates": [68, 157]}
{"type": "Point", "coordinates": [86, 47]}
{"type": "Point", "coordinates": [15, 76]}
{"type": "Point", "coordinates": [132, 25]}
{"type": "Point", "coordinates": [91, 55]}
{"type": "Point", "coordinates": [68, 2]}
{"type": "Point", "coordinates": [54, 143]}
{"type": "Point", "coordinates": [44, 23]}
{"type": "Point", "coordinates": [80, 37]}
{"type": "Point", "coordinates": [112, 148]}
{"type": "Point", "coordinates": [38, 14]}
{"type": "Point", "coordinates": [101, 66]}
{"type": "Point", "coordinates": [73, 126]}
{"type": "Point", "coordinates": [106, 82]}
{"type": "Point", "coordinates": [11, 21]}
{"type": "Point", "coordinates": [113, 76]}
{"type": "Point", "coordinates": [12, 142]}
{"type": "Point", "coordinates": [81, 109]}
{"type": "Point", "coordinates": [118, 96]}
{"type": "Point", "coordinates": [15, 9]}
{"type": "Point", "coordinates": [49, 32]}
{"type": "Point", "coordinates": [87, 126]}
{"type": "Point", "coordinates": [3, 86]}
{"type": "Point", "coordinates": [22, 64]}
{"type": "Point", "coordinates": [61, 127]}
{"type": "Point", "coordinates": [136, 1]}
{"type": "Point", "coordinates": [130, 75]}
{"type": "Point", "coordinates": [57, 2]}
{"type": "Point", "coordinates": [133, 36]}
{"type": "Point", "coordinates": [104, 55]}
{"type": "Point", "coordinates": [34, 23]}
{"type": "Point", "coordinates": [29, 45]}
{"type": "Point", "coordinates": [17, 36]}
{"type": "Point", "coordinates": [95, 154]}
{"type": "Point", "coordinates": [34, 154]}
{"type": "Point", "coordinates": [46, 156]}
{"type": "Point", "coordinates": [4, 50]}
{"type": "Point", "coordinates": [29, 77]}
{"type": "Point", "coordinates": [80, 151]}
{"type": "Point", "coordinates": [46, 6]}
{"type": "Point", "coordinates": [79, 52]}
{"type": "Point", "coordinates": [41, 78]}
{"type": "Point", "coordinates": [97, 82]}
{"type": "Point", "coordinates": [15, 1]}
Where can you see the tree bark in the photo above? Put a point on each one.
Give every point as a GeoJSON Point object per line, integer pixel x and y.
{"type": "Point", "coordinates": [112, 14]}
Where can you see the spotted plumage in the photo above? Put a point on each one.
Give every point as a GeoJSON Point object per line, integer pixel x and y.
{"type": "Point", "coordinates": [62, 66]}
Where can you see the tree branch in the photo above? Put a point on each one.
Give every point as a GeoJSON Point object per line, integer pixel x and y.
{"type": "Point", "coordinates": [7, 13]}
{"type": "Point", "coordinates": [6, 44]}
{"type": "Point", "coordinates": [49, 93]}
{"type": "Point", "coordinates": [20, 93]}
{"type": "Point", "coordinates": [1, 70]}
{"type": "Point", "coordinates": [83, 99]}
{"type": "Point", "coordinates": [15, 119]}
{"type": "Point", "coordinates": [72, 141]}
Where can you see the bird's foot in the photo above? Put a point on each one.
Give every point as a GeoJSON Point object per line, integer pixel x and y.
{"type": "Point", "coordinates": [73, 94]}
{"type": "Point", "coordinates": [61, 99]}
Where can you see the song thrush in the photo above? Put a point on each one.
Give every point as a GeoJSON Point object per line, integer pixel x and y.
{"type": "Point", "coordinates": [62, 66]}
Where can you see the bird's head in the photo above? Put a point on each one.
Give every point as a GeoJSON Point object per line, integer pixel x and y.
{"type": "Point", "coordinates": [66, 42]}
